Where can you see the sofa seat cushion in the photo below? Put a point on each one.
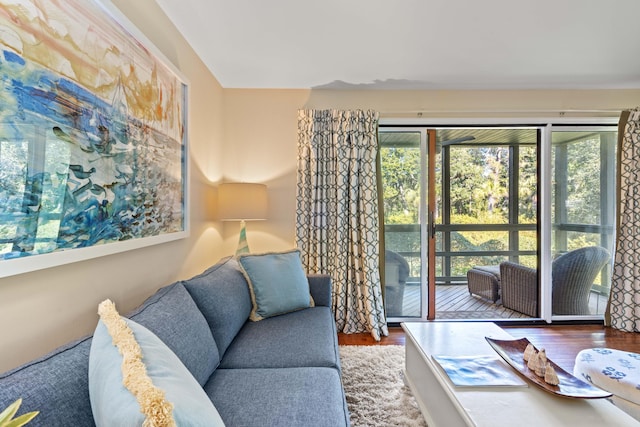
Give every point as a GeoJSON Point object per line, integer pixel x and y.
{"type": "Point", "coordinates": [56, 384]}
{"type": "Point", "coordinates": [279, 397]}
{"type": "Point", "coordinates": [172, 315]}
{"type": "Point", "coordinates": [222, 295]}
{"type": "Point", "coordinates": [301, 338]}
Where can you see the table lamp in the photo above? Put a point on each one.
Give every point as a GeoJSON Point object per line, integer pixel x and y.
{"type": "Point", "coordinates": [242, 202]}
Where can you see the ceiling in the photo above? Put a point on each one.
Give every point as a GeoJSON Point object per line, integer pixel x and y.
{"type": "Point", "coordinates": [414, 44]}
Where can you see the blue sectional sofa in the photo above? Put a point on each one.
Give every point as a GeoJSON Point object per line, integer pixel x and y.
{"type": "Point", "coordinates": [280, 371]}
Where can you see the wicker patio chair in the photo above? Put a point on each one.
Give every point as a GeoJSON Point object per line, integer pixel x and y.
{"type": "Point", "coordinates": [484, 281]}
{"type": "Point", "coordinates": [573, 274]}
{"type": "Point", "coordinates": [519, 287]}
{"type": "Point", "coordinates": [396, 272]}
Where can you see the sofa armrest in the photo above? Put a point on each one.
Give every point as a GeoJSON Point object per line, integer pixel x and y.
{"type": "Point", "coordinates": [320, 289]}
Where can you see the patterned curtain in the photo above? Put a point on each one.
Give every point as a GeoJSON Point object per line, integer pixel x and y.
{"type": "Point", "coordinates": [623, 311]}
{"type": "Point", "coordinates": [337, 212]}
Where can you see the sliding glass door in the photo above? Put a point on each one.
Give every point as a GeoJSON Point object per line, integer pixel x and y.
{"type": "Point", "coordinates": [402, 154]}
{"type": "Point", "coordinates": [583, 218]}
{"type": "Point", "coordinates": [487, 214]}
{"type": "Point", "coordinates": [462, 206]}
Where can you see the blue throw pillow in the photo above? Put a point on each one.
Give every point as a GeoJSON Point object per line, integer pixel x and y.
{"type": "Point", "coordinates": [154, 376]}
{"type": "Point", "coordinates": [277, 283]}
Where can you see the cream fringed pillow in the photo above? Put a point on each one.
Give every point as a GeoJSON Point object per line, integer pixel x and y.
{"type": "Point", "coordinates": [136, 380]}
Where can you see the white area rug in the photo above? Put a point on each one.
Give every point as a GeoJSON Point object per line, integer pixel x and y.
{"type": "Point", "coordinates": [375, 389]}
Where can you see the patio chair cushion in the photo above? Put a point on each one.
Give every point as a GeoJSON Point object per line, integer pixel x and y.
{"type": "Point", "coordinates": [492, 269]}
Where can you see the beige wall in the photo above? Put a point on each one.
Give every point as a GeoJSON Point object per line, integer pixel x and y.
{"type": "Point", "coordinates": [260, 132]}
{"type": "Point", "coordinates": [44, 309]}
{"type": "Point", "coordinates": [235, 135]}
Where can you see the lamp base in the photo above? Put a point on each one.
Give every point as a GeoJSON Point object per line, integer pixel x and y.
{"type": "Point", "coordinates": [243, 245]}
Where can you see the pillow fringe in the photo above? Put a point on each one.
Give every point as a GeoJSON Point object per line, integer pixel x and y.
{"type": "Point", "coordinates": [157, 410]}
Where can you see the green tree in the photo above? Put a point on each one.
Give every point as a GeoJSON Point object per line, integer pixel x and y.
{"type": "Point", "coordinates": [401, 184]}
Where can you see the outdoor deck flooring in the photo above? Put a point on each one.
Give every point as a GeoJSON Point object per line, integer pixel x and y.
{"type": "Point", "coordinates": [455, 302]}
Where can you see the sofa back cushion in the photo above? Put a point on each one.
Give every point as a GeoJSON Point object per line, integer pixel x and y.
{"type": "Point", "coordinates": [172, 315]}
{"type": "Point", "coordinates": [55, 384]}
{"type": "Point", "coordinates": [222, 295]}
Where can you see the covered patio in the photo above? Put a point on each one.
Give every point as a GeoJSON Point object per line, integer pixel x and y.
{"type": "Point", "coordinates": [455, 302]}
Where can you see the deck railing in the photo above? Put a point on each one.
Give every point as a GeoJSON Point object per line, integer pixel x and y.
{"type": "Point", "coordinates": [454, 259]}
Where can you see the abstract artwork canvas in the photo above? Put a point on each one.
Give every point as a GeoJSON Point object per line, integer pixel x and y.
{"type": "Point", "coordinates": [93, 133]}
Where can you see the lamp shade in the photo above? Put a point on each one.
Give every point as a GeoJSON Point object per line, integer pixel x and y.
{"type": "Point", "coordinates": [242, 201]}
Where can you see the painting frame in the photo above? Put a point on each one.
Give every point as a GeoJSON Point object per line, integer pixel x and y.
{"type": "Point", "coordinates": [164, 212]}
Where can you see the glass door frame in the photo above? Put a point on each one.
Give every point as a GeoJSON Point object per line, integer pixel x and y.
{"type": "Point", "coordinates": [547, 226]}
{"type": "Point", "coordinates": [423, 218]}
{"type": "Point", "coordinates": [546, 126]}
{"type": "Point", "coordinates": [443, 225]}
{"type": "Point", "coordinates": [430, 262]}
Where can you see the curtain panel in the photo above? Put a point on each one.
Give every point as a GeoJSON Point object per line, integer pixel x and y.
{"type": "Point", "coordinates": [337, 212]}
{"type": "Point", "coordinates": [624, 302]}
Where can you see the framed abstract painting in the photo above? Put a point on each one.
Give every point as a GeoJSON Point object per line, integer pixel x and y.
{"type": "Point", "coordinates": [93, 136]}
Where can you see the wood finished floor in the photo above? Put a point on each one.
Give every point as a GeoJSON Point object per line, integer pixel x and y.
{"type": "Point", "coordinates": [562, 342]}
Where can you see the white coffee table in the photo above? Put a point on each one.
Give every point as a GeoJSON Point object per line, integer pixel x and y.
{"type": "Point", "coordinates": [445, 405]}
